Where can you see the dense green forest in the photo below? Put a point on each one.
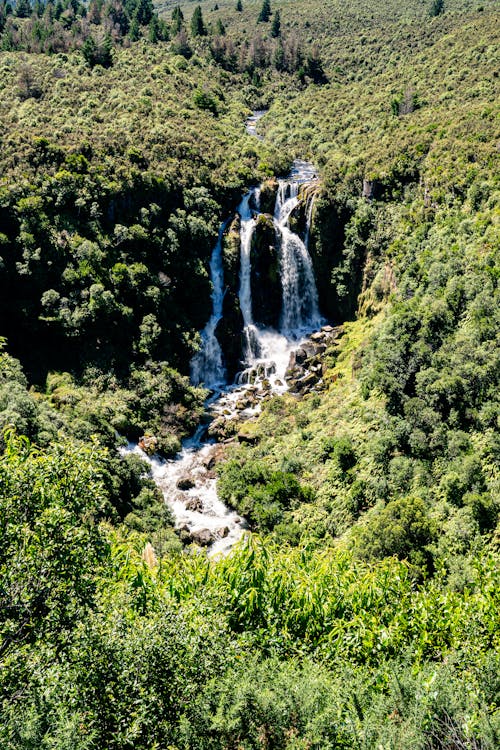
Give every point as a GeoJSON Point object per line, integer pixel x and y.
{"type": "Point", "coordinates": [362, 611]}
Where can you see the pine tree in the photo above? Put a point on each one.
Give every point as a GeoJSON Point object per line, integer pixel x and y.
{"type": "Point", "coordinates": [134, 31]}
{"type": "Point", "coordinates": [239, 6]}
{"type": "Point", "coordinates": [153, 33]}
{"type": "Point", "coordinates": [265, 12]}
{"type": "Point", "coordinates": [220, 28]}
{"type": "Point", "coordinates": [276, 25]}
{"type": "Point", "coordinates": [23, 9]}
{"type": "Point", "coordinates": [177, 19]}
{"type": "Point", "coordinates": [144, 12]}
{"type": "Point", "coordinates": [197, 25]}
{"type": "Point", "coordinates": [437, 7]}
{"type": "Point", "coordinates": [89, 51]}
{"type": "Point", "coordinates": [279, 57]}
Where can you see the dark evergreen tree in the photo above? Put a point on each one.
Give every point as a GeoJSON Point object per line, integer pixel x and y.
{"type": "Point", "coordinates": [314, 66]}
{"type": "Point", "coordinates": [265, 12]}
{"type": "Point", "coordinates": [117, 14]}
{"type": "Point", "coordinates": [239, 6]}
{"type": "Point", "coordinates": [197, 25]}
{"type": "Point", "coordinates": [220, 29]}
{"type": "Point", "coordinates": [437, 7]}
{"type": "Point", "coordinates": [23, 9]}
{"type": "Point", "coordinates": [134, 31]}
{"type": "Point", "coordinates": [279, 57]}
{"type": "Point", "coordinates": [144, 11]}
{"type": "Point", "coordinates": [276, 25]}
{"type": "Point", "coordinates": [177, 19]}
{"type": "Point", "coordinates": [153, 33]}
{"type": "Point", "coordinates": [89, 51]}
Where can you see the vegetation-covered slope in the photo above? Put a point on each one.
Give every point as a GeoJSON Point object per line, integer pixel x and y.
{"type": "Point", "coordinates": [364, 610]}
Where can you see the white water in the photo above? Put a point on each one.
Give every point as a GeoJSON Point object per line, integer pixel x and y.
{"type": "Point", "coordinates": [207, 365]}
{"type": "Point", "coordinates": [267, 351]}
{"type": "Point", "coordinates": [225, 525]}
{"type": "Point", "coordinates": [300, 310]}
{"type": "Point", "coordinates": [266, 355]}
{"type": "Point", "coordinates": [247, 228]}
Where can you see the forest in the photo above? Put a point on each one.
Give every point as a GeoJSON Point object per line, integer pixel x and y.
{"type": "Point", "coordinates": [361, 607]}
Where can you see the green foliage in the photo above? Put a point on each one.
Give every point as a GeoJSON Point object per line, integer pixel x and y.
{"type": "Point", "coordinates": [262, 496]}
{"type": "Point", "coordinates": [51, 545]}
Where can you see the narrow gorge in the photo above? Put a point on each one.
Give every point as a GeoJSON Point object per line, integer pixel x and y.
{"type": "Point", "coordinates": [275, 329]}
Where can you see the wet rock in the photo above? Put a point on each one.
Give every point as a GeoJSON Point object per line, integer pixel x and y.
{"type": "Point", "coordinates": [148, 444]}
{"type": "Point", "coordinates": [184, 534]}
{"type": "Point", "coordinates": [222, 532]}
{"type": "Point", "coordinates": [265, 276]}
{"type": "Point", "coordinates": [214, 457]}
{"type": "Point", "coordinates": [318, 336]}
{"type": "Point", "coordinates": [202, 537]}
{"type": "Point", "coordinates": [268, 191]}
{"type": "Point", "coordinates": [185, 483]}
{"type": "Point", "coordinates": [195, 504]}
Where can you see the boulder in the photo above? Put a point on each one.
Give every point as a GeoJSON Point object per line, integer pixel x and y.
{"type": "Point", "coordinates": [185, 483]}
{"type": "Point", "coordinates": [222, 532]}
{"type": "Point", "coordinates": [202, 537]}
{"type": "Point", "coordinates": [195, 504]}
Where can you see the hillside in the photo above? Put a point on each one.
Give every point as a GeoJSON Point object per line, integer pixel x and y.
{"type": "Point", "coordinates": [362, 609]}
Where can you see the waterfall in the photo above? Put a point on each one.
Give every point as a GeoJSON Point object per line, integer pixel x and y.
{"type": "Point", "coordinates": [300, 309]}
{"type": "Point", "coordinates": [251, 346]}
{"type": "Point", "coordinates": [207, 365]}
{"type": "Point", "coordinates": [265, 351]}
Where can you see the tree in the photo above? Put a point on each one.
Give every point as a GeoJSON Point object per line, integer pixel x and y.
{"type": "Point", "coordinates": [144, 12]}
{"type": "Point", "coordinates": [265, 12]}
{"type": "Point", "coordinates": [51, 543]}
{"type": "Point", "coordinates": [134, 31]}
{"type": "Point", "coordinates": [177, 19]}
{"type": "Point", "coordinates": [197, 25]}
{"type": "Point", "coordinates": [437, 7]}
{"type": "Point", "coordinates": [239, 6]}
{"type": "Point", "coordinates": [23, 9]}
{"type": "Point", "coordinates": [314, 66]}
{"type": "Point", "coordinates": [276, 25]}
{"type": "Point", "coordinates": [154, 30]}
{"type": "Point", "coordinates": [220, 28]}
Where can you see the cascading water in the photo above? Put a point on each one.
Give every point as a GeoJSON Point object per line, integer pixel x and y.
{"type": "Point", "coordinates": [251, 348]}
{"type": "Point", "coordinates": [266, 352]}
{"type": "Point", "coordinates": [300, 310]}
{"type": "Point", "coordinates": [188, 481]}
{"type": "Point", "coordinates": [207, 365]}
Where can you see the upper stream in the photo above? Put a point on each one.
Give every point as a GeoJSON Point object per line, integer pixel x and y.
{"type": "Point", "coordinates": [188, 481]}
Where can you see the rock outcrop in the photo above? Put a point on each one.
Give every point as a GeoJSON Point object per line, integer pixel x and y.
{"type": "Point", "coordinates": [306, 366]}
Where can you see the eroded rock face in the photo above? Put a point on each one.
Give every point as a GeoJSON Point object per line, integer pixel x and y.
{"type": "Point", "coordinates": [305, 368]}
{"type": "Point", "coordinates": [266, 277]}
{"type": "Point", "coordinates": [268, 191]}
